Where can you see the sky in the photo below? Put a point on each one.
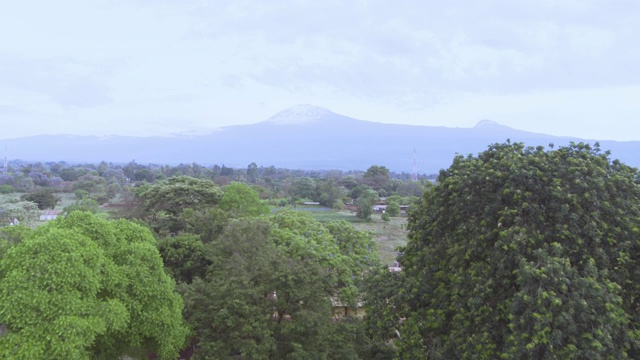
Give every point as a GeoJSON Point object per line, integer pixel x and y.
{"type": "Point", "coordinates": [159, 67]}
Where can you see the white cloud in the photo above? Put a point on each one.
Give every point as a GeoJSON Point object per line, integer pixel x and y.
{"type": "Point", "coordinates": [138, 66]}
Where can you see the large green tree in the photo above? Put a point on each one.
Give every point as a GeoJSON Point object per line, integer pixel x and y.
{"type": "Point", "coordinates": [178, 193]}
{"type": "Point", "coordinates": [44, 198]}
{"type": "Point", "coordinates": [162, 203]}
{"type": "Point", "coordinates": [378, 177]}
{"type": "Point", "coordinates": [85, 288]}
{"type": "Point", "coordinates": [90, 183]}
{"type": "Point", "coordinates": [26, 212]}
{"type": "Point", "coordinates": [365, 203]}
{"type": "Point", "coordinates": [268, 291]}
{"type": "Point", "coordinates": [523, 253]}
{"type": "Point", "coordinates": [241, 200]}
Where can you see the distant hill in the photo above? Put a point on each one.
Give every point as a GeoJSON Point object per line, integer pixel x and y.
{"type": "Point", "coordinates": [301, 137]}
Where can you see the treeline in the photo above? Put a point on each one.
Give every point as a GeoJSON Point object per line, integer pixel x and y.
{"type": "Point", "coordinates": [252, 282]}
{"type": "Point", "coordinates": [516, 253]}
{"type": "Point", "coordinates": [99, 184]}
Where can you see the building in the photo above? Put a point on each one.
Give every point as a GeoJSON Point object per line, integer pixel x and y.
{"type": "Point", "coordinates": [49, 215]}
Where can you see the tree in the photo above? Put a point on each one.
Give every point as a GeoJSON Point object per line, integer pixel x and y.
{"type": "Point", "coordinates": [365, 203]}
{"type": "Point", "coordinates": [184, 257]}
{"type": "Point", "coordinates": [113, 189]}
{"type": "Point", "coordinates": [84, 204]}
{"type": "Point", "coordinates": [81, 194]}
{"type": "Point", "coordinates": [252, 173]}
{"type": "Point", "coordinates": [92, 184]}
{"type": "Point", "coordinates": [303, 188]}
{"type": "Point", "coordinates": [72, 173]}
{"type": "Point", "coordinates": [169, 198]}
{"type": "Point", "coordinates": [267, 293]}
{"type": "Point", "coordinates": [231, 309]}
{"type": "Point", "coordinates": [10, 236]}
{"type": "Point", "coordinates": [241, 200]}
{"type": "Point", "coordinates": [45, 199]}
{"type": "Point", "coordinates": [524, 253]}
{"type": "Point", "coordinates": [85, 288]}
{"type": "Point", "coordinates": [26, 212]}
{"type": "Point", "coordinates": [393, 209]}
{"type": "Point", "coordinates": [39, 178]}
{"type": "Point", "coordinates": [377, 177]}
{"type": "Point", "coordinates": [328, 192]}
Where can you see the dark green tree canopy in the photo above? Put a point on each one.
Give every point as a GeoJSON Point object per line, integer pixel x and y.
{"type": "Point", "coordinates": [268, 291]}
{"type": "Point", "coordinates": [177, 193]}
{"type": "Point", "coordinates": [524, 253]}
{"type": "Point", "coordinates": [378, 177]}
{"type": "Point", "coordinates": [162, 203]}
{"type": "Point", "coordinates": [45, 198]}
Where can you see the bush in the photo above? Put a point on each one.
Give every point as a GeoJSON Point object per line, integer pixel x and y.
{"type": "Point", "coordinates": [89, 205]}
{"type": "Point", "coordinates": [393, 209]}
{"type": "Point", "coordinates": [81, 194]}
{"type": "Point", "coordinates": [6, 189]}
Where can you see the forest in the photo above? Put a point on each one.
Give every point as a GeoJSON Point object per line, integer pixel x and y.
{"type": "Point", "coordinates": [516, 253]}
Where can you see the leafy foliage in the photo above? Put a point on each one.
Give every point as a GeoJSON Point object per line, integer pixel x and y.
{"type": "Point", "coordinates": [171, 197]}
{"type": "Point", "coordinates": [44, 198]}
{"type": "Point", "coordinates": [82, 288]}
{"type": "Point", "coordinates": [241, 200]}
{"type": "Point", "coordinates": [393, 209]}
{"type": "Point", "coordinates": [26, 212]}
{"type": "Point", "coordinates": [184, 257]}
{"type": "Point", "coordinates": [365, 203]}
{"type": "Point", "coordinates": [522, 253]}
{"type": "Point", "coordinates": [84, 204]}
{"type": "Point", "coordinates": [268, 290]}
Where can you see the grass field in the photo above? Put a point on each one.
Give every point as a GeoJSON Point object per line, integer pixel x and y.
{"type": "Point", "coordinates": [388, 235]}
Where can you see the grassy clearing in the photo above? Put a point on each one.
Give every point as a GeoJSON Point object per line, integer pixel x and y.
{"type": "Point", "coordinates": [388, 235]}
{"type": "Point", "coordinates": [66, 199]}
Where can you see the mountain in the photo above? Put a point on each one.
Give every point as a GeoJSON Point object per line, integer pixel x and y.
{"type": "Point", "coordinates": [301, 137]}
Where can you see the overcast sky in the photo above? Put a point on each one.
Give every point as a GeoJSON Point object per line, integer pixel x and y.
{"type": "Point", "coordinates": [135, 67]}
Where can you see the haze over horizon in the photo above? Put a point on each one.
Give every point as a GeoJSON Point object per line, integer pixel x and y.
{"type": "Point", "coordinates": [143, 68]}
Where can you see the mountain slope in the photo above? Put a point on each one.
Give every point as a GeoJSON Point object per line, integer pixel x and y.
{"type": "Point", "coordinates": [304, 137]}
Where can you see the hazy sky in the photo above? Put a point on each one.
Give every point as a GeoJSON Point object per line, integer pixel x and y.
{"type": "Point", "coordinates": [136, 67]}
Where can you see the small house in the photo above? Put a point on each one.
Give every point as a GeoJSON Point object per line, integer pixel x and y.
{"type": "Point", "coordinates": [49, 215]}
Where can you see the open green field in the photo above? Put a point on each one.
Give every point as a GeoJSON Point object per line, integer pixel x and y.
{"type": "Point", "coordinates": [388, 235]}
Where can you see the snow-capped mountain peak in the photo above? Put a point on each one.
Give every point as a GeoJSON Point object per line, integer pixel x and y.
{"type": "Point", "coordinates": [487, 123]}
{"type": "Point", "coordinates": [299, 114]}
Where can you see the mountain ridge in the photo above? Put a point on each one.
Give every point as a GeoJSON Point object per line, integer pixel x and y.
{"type": "Point", "coordinates": [301, 137]}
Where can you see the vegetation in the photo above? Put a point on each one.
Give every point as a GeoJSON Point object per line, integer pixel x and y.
{"type": "Point", "coordinates": [518, 253]}
{"type": "Point", "coordinates": [45, 199]}
{"type": "Point", "coordinates": [268, 290]}
{"type": "Point", "coordinates": [84, 288]}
